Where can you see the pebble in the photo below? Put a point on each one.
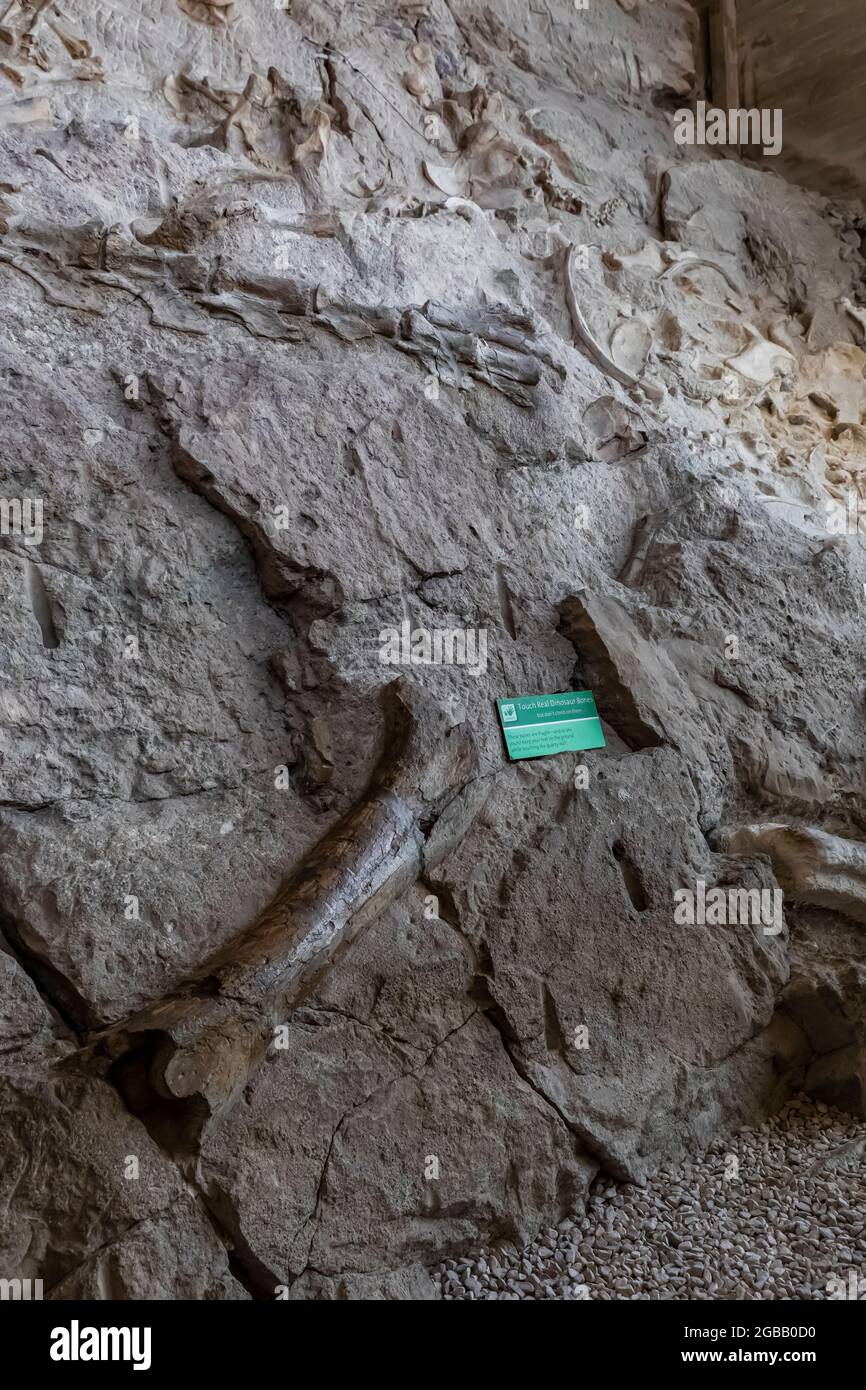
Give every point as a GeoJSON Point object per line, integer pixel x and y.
{"type": "Point", "coordinates": [792, 1219]}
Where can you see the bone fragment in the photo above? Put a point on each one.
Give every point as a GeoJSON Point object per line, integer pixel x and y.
{"type": "Point", "coordinates": [201, 1045]}
{"type": "Point", "coordinates": [811, 865]}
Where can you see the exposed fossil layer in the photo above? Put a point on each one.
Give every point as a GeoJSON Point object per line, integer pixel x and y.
{"type": "Point", "coordinates": [289, 356]}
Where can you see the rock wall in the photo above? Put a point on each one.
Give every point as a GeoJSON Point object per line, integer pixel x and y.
{"type": "Point", "coordinates": [294, 351]}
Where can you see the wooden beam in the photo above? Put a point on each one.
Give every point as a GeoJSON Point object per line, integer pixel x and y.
{"type": "Point", "coordinates": [724, 56]}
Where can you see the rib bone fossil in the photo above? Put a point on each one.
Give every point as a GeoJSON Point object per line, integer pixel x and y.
{"type": "Point", "coordinates": [199, 1046]}
{"type": "Point", "coordinates": [590, 346]}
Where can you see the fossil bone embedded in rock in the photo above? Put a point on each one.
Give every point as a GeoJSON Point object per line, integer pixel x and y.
{"type": "Point", "coordinates": [200, 1046]}
{"type": "Point", "coordinates": [291, 356]}
{"type": "Point", "coordinates": [812, 866]}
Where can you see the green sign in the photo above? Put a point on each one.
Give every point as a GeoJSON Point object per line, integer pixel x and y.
{"type": "Point", "coordinates": [536, 725]}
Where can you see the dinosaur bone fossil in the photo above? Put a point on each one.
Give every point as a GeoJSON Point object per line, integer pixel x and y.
{"type": "Point", "coordinates": [36, 39]}
{"type": "Point", "coordinates": [854, 311]}
{"type": "Point", "coordinates": [182, 288]}
{"type": "Point", "coordinates": [200, 1045]}
{"type": "Point", "coordinates": [684, 264]}
{"type": "Point", "coordinates": [811, 866]}
{"type": "Point", "coordinates": [591, 347]}
{"type": "Point", "coordinates": [643, 538]}
{"type": "Point", "coordinates": [217, 13]}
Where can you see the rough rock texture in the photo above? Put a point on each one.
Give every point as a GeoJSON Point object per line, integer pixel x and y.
{"type": "Point", "coordinates": [825, 997]}
{"type": "Point", "coordinates": [295, 350]}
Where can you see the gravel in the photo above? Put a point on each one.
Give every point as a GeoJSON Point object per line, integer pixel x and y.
{"type": "Point", "coordinates": [773, 1213]}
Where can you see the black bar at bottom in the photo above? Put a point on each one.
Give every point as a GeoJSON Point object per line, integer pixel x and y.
{"type": "Point", "coordinates": [228, 1339]}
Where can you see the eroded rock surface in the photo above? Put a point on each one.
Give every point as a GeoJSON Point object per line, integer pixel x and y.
{"type": "Point", "coordinates": [319, 322]}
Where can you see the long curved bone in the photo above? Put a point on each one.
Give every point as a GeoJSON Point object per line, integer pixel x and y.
{"type": "Point", "coordinates": [684, 264]}
{"type": "Point", "coordinates": [811, 865]}
{"type": "Point", "coordinates": [200, 1045]}
{"type": "Point", "coordinates": [591, 347]}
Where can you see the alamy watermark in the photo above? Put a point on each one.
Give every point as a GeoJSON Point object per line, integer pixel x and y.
{"type": "Point", "coordinates": [853, 1288]}
{"type": "Point", "coordinates": [441, 646]}
{"type": "Point", "coordinates": [712, 125]}
{"type": "Point", "coordinates": [22, 516]}
{"type": "Point", "coordinates": [77, 1343]}
{"type": "Point", "coordinates": [20, 1290]}
{"type": "Point", "coordinates": [852, 521]}
{"type": "Point", "coordinates": [722, 907]}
